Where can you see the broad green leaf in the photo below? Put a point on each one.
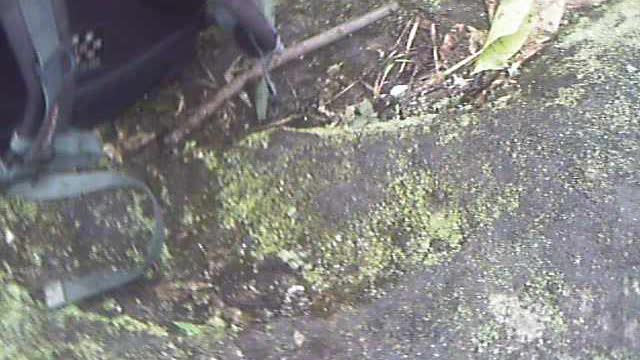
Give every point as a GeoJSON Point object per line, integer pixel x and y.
{"type": "Point", "coordinates": [361, 114]}
{"type": "Point", "coordinates": [510, 29]}
{"type": "Point", "coordinates": [261, 99]}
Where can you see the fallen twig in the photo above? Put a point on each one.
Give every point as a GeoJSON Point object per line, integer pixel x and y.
{"type": "Point", "coordinates": [410, 41]}
{"type": "Point", "coordinates": [434, 41]}
{"type": "Point", "coordinates": [280, 123]}
{"type": "Point", "coordinates": [199, 116]}
{"type": "Point", "coordinates": [341, 92]}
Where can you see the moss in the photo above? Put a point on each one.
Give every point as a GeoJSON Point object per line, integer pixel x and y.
{"type": "Point", "coordinates": [595, 68]}
{"type": "Point", "coordinates": [273, 204]}
{"type": "Point", "coordinates": [16, 215]}
{"type": "Point", "coordinates": [613, 28]}
{"type": "Point", "coordinates": [527, 316]}
{"type": "Point", "coordinates": [612, 354]}
{"type": "Point", "coordinates": [543, 292]}
{"type": "Point", "coordinates": [21, 326]}
{"type": "Point", "coordinates": [26, 328]}
{"type": "Point", "coordinates": [487, 335]}
{"type": "Point", "coordinates": [111, 305]}
{"type": "Point", "coordinates": [401, 231]}
{"type": "Point", "coordinates": [17, 211]}
{"type": "Point", "coordinates": [130, 324]}
{"type": "Point", "coordinates": [453, 129]}
{"type": "Point", "coordinates": [256, 141]}
{"type": "Point", "coordinates": [190, 216]}
{"type": "Point", "coordinates": [114, 324]}
{"type": "Point", "coordinates": [87, 348]}
{"type": "Point", "coordinates": [265, 208]}
{"type": "Point", "coordinates": [570, 96]}
{"type": "Point", "coordinates": [137, 219]}
{"type": "Point", "coordinates": [486, 207]}
{"type": "Point", "coordinates": [415, 220]}
{"type": "Point", "coordinates": [214, 329]}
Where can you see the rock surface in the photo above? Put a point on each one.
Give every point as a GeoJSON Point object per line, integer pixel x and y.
{"type": "Point", "coordinates": [510, 233]}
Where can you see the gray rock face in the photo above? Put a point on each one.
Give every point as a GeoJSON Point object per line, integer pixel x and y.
{"type": "Point", "coordinates": [554, 276]}
{"type": "Point", "coordinates": [510, 233]}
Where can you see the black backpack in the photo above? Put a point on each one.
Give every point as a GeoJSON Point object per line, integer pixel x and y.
{"type": "Point", "coordinates": [68, 65]}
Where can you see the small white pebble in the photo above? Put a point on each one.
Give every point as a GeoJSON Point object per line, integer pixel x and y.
{"type": "Point", "coordinates": [398, 90]}
{"type": "Point", "coordinates": [298, 338]}
{"type": "Point", "coordinates": [9, 236]}
{"type": "Point", "coordinates": [295, 289]}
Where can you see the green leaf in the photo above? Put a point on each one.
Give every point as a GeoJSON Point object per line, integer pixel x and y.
{"type": "Point", "coordinates": [361, 114]}
{"type": "Point", "coordinates": [261, 99]}
{"type": "Point", "coordinates": [188, 329]}
{"type": "Point", "coordinates": [510, 29]}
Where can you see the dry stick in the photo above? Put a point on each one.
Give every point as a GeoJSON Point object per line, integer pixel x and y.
{"type": "Point", "coordinates": [410, 40]}
{"type": "Point", "coordinates": [434, 40]}
{"type": "Point", "coordinates": [204, 111]}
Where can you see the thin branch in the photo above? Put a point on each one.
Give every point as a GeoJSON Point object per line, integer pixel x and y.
{"type": "Point", "coordinates": [434, 41]}
{"type": "Point", "coordinates": [200, 115]}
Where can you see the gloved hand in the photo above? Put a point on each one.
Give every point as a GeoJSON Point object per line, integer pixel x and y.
{"type": "Point", "coordinates": [254, 34]}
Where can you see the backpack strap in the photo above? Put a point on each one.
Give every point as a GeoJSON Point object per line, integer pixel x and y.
{"type": "Point", "coordinates": [46, 24]}
{"type": "Point", "coordinates": [21, 45]}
